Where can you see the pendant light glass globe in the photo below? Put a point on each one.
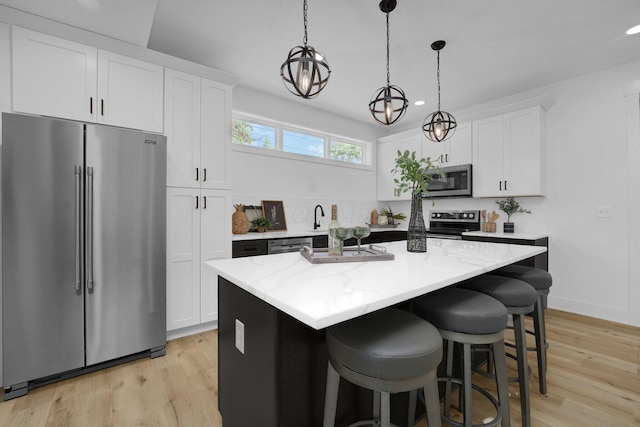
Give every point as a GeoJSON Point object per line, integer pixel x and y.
{"type": "Point", "coordinates": [305, 72]}
{"type": "Point", "coordinates": [440, 125]}
{"type": "Point", "coordinates": [388, 103]}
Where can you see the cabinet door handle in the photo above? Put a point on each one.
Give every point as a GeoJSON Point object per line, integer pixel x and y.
{"type": "Point", "coordinates": [204, 202]}
{"type": "Point", "coordinates": [204, 178]}
{"type": "Point", "coordinates": [197, 174]}
{"type": "Point", "coordinates": [196, 202]}
{"type": "Point", "coordinates": [446, 158]}
{"type": "Point", "coordinates": [500, 185]}
{"type": "Point", "coordinates": [102, 107]}
{"type": "Point", "coordinates": [505, 186]}
{"type": "Point", "coordinates": [91, 105]}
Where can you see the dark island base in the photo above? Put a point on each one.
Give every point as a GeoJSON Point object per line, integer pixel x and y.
{"type": "Point", "coordinates": [280, 379]}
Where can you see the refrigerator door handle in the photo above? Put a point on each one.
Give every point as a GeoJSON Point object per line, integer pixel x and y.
{"type": "Point", "coordinates": [78, 210]}
{"type": "Point", "coordinates": [89, 254]}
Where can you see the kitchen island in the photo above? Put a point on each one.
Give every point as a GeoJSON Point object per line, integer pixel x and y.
{"type": "Point", "coordinates": [273, 311]}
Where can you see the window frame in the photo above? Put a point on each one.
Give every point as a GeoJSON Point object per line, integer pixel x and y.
{"type": "Point", "coordinates": [278, 150]}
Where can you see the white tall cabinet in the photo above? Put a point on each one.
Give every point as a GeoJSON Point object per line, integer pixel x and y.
{"type": "Point", "coordinates": [61, 78]}
{"type": "Point", "coordinates": [198, 129]}
{"type": "Point", "coordinates": [507, 154]}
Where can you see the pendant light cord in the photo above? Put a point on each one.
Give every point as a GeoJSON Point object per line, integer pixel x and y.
{"type": "Point", "coordinates": [438, 75]}
{"type": "Point", "coordinates": [388, 73]}
{"type": "Point", "coordinates": [304, 15]}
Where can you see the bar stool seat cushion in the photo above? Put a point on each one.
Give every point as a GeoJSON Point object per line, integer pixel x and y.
{"type": "Point", "coordinates": [387, 344]}
{"type": "Point", "coordinates": [509, 291]}
{"type": "Point", "coordinates": [536, 277]}
{"type": "Point", "coordinates": [462, 310]}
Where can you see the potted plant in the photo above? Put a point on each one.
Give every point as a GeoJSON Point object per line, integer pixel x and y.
{"type": "Point", "coordinates": [392, 217]}
{"type": "Point", "coordinates": [413, 173]}
{"type": "Point", "coordinates": [510, 206]}
{"type": "Point", "coordinates": [261, 224]}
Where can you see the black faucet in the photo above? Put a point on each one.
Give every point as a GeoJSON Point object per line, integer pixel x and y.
{"type": "Point", "coordinates": [316, 224]}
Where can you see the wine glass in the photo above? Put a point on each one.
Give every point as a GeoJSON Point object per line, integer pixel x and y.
{"type": "Point", "coordinates": [342, 234]}
{"type": "Point", "coordinates": [360, 232]}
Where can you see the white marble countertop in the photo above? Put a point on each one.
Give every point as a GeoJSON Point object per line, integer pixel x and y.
{"type": "Point", "coordinates": [523, 236]}
{"type": "Point", "coordinates": [322, 295]}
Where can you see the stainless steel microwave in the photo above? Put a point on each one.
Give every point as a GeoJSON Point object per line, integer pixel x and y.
{"type": "Point", "coordinates": [451, 181]}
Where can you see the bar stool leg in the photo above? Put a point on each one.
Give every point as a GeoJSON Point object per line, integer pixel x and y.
{"type": "Point", "coordinates": [376, 405]}
{"type": "Point", "coordinates": [331, 397]}
{"type": "Point", "coordinates": [523, 377]}
{"type": "Point", "coordinates": [432, 402]}
{"type": "Point", "coordinates": [413, 401]}
{"type": "Point", "coordinates": [449, 373]}
{"type": "Point", "coordinates": [385, 410]}
{"type": "Point", "coordinates": [502, 381]}
{"type": "Point", "coordinates": [467, 385]}
{"type": "Point", "coordinates": [541, 343]}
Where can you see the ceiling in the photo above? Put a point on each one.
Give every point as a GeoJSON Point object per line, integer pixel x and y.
{"type": "Point", "coordinates": [495, 48]}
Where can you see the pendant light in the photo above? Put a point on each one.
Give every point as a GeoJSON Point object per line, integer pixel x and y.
{"type": "Point", "coordinates": [388, 104]}
{"type": "Point", "coordinates": [440, 125]}
{"type": "Point", "coordinates": [305, 72]}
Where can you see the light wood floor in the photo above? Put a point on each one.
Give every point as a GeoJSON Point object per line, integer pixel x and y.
{"type": "Point", "coordinates": [593, 380]}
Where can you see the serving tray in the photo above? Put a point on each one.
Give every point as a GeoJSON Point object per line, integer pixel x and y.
{"type": "Point", "coordinates": [367, 253]}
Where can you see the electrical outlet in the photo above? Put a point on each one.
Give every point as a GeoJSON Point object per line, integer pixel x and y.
{"type": "Point", "coordinates": [240, 336]}
{"type": "Point", "coordinates": [603, 212]}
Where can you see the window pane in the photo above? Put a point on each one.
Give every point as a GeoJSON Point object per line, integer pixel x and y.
{"type": "Point", "coordinates": [301, 143]}
{"type": "Point", "coordinates": [253, 134]}
{"type": "Point", "coordinates": [345, 152]}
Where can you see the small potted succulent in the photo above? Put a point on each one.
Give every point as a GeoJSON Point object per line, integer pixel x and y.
{"type": "Point", "coordinates": [261, 224]}
{"type": "Point", "coordinates": [510, 206]}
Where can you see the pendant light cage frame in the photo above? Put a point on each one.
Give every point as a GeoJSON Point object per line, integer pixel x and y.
{"type": "Point", "coordinates": [439, 125]}
{"type": "Point", "coordinates": [306, 71]}
{"type": "Point", "coordinates": [388, 103]}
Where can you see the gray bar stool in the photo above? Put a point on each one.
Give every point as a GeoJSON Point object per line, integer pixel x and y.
{"type": "Point", "coordinates": [541, 281]}
{"type": "Point", "coordinates": [388, 351]}
{"type": "Point", "coordinates": [469, 318]}
{"type": "Point", "coordinates": [518, 298]}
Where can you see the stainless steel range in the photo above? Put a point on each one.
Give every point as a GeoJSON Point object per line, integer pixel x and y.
{"type": "Point", "coordinates": [451, 224]}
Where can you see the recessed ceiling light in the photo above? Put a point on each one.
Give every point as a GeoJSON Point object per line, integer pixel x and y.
{"type": "Point", "coordinates": [633, 30]}
{"type": "Point", "coordinates": [418, 103]}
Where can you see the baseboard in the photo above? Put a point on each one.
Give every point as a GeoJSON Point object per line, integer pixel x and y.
{"type": "Point", "coordinates": [589, 309]}
{"type": "Point", "coordinates": [191, 330]}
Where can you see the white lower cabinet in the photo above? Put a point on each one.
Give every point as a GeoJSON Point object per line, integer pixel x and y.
{"type": "Point", "coordinates": [198, 230]}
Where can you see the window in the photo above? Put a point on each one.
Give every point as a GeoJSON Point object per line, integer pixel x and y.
{"type": "Point", "coordinates": [302, 143]}
{"type": "Point", "coordinates": [253, 133]}
{"type": "Point", "coordinates": [281, 137]}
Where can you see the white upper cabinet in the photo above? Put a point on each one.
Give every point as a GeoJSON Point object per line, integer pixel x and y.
{"type": "Point", "coordinates": [387, 151]}
{"type": "Point", "coordinates": [182, 128]}
{"type": "Point", "coordinates": [454, 151]}
{"type": "Point", "coordinates": [198, 129]}
{"type": "Point", "coordinates": [59, 78]}
{"type": "Point", "coordinates": [53, 77]}
{"type": "Point", "coordinates": [215, 132]}
{"type": "Point", "coordinates": [507, 154]}
{"type": "Point", "coordinates": [130, 92]}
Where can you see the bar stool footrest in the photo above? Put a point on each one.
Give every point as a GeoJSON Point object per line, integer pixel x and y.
{"type": "Point", "coordinates": [494, 422]}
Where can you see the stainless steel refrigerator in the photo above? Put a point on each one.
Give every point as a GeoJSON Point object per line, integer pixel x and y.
{"type": "Point", "coordinates": [83, 256]}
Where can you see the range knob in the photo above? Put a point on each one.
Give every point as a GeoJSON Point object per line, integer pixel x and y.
{"type": "Point", "coordinates": [464, 215]}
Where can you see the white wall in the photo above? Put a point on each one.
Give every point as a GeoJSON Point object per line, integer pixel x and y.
{"type": "Point", "coordinates": [302, 184]}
